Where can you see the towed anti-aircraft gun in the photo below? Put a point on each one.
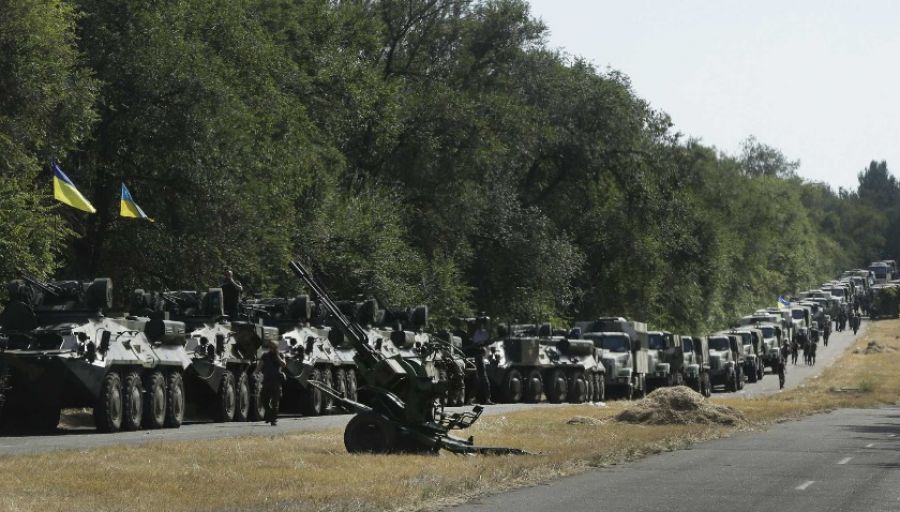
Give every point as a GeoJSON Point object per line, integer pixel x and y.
{"type": "Point", "coordinates": [398, 408]}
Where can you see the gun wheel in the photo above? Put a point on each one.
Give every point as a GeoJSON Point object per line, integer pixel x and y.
{"type": "Point", "coordinates": [370, 433]}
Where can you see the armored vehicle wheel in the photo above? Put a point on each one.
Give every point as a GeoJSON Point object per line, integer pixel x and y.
{"type": "Point", "coordinates": [534, 387]}
{"type": "Point", "coordinates": [577, 388]}
{"type": "Point", "coordinates": [257, 412]}
{"type": "Point", "coordinates": [242, 395]}
{"type": "Point", "coordinates": [370, 433]}
{"type": "Point", "coordinates": [174, 400]}
{"type": "Point", "coordinates": [108, 411]}
{"type": "Point", "coordinates": [327, 402]}
{"type": "Point", "coordinates": [132, 401]}
{"type": "Point", "coordinates": [350, 376]}
{"type": "Point", "coordinates": [340, 381]}
{"type": "Point", "coordinates": [311, 401]}
{"type": "Point", "coordinates": [154, 400]}
{"type": "Point", "coordinates": [226, 399]}
{"type": "Point", "coordinates": [557, 386]}
{"type": "Point", "coordinates": [512, 389]}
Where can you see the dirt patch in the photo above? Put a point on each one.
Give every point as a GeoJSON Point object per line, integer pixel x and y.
{"type": "Point", "coordinates": [680, 406]}
{"type": "Point", "coordinates": [873, 347]}
{"type": "Point", "coordinates": [584, 420]}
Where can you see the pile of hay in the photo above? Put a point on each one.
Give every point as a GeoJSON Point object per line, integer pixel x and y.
{"type": "Point", "coordinates": [679, 405]}
{"type": "Point", "coordinates": [584, 420]}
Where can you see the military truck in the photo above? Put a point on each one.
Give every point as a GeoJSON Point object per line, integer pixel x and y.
{"type": "Point", "coordinates": [623, 351]}
{"type": "Point", "coordinates": [62, 352]}
{"type": "Point", "coordinates": [773, 339]}
{"type": "Point", "coordinates": [882, 271]}
{"type": "Point", "coordinates": [222, 382]}
{"type": "Point", "coordinates": [695, 350]}
{"type": "Point", "coordinates": [753, 348]}
{"type": "Point", "coordinates": [666, 356]}
{"type": "Point", "coordinates": [726, 361]}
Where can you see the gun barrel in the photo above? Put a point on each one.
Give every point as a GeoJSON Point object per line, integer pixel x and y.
{"type": "Point", "coordinates": [356, 333]}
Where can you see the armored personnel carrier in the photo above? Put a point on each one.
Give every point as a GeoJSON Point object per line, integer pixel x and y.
{"type": "Point", "coordinates": [514, 368]}
{"type": "Point", "coordinates": [569, 366]}
{"type": "Point", "coordinates": [62, 352]}
{"type": "Point", "coordinates": [623, 352]}
{"type": "Point", "coordinates": [222, 382]}
{"type": "Point", "coordinates": [303, 339]}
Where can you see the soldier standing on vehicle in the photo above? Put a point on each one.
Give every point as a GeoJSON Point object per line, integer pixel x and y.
{"type": "Point", "coordinates": [271, 365]}
{"type": "Point", "coordinates": [480, 340]}
{"type": "Point", "coordinates": [231, 293]}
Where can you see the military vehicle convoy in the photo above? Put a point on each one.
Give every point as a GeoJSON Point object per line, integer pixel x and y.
{"type": "Point", "coordinates": [177, 353]}
{"type": "Point", "coordinates": [62, 352]}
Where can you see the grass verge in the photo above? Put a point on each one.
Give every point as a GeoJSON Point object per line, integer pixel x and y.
{"type": "Point", "coordinates": [311, 471]}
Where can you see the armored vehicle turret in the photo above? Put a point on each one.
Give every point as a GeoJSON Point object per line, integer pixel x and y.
{"type": "Point", "coordinates": [62, 352]}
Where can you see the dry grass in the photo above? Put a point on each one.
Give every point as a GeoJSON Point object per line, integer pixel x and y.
{"type": "Point", "coordinates": [311, 471]}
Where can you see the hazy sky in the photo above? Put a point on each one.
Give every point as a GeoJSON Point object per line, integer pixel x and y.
{"type": "Point", "coordinates": [818, 79]}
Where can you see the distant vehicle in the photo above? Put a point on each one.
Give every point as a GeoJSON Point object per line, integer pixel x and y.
{"type": "Point", "coordinates": [882, 272]}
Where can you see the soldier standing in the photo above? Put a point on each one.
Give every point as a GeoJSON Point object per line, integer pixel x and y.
{"type": "Point", "coordinates": [855, 320]}
{"type": "Point", "coordinates": [231, 293]}
{"type": "Point", "coordinates": [480, 340]}
{"type": "Point", "coordinates": [827, 333]}
{"type": "Point", "coordinates": [270, 365]}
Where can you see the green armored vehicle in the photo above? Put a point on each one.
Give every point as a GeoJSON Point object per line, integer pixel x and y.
{"type": "Point", "coordinates": [623, 352]}
{"type": "Point", "coordinates": [222, 382]}
{"type": "Point", "coordinates": [62, 352]}
{"type": "Point", "coordinates": [515, 367]}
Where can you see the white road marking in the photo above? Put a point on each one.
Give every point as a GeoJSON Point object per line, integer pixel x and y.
{"type": "Point", "coordinates": [845, 460]}
{"type": "Point", "coordinates": [804, 485]}
{"type": "Point", "coordinates": [870, 445]}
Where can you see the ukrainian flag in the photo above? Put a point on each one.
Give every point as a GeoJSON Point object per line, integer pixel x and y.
{"type": "Point", "coordinates": [128, 208]}
{"type": "Point", "coordinates": [65, 192]}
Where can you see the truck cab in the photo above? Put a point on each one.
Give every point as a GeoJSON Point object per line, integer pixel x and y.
{"type": "Point", "coordinates": [623, 351]}
{"type": "Point", "coordinates": [726, 361]}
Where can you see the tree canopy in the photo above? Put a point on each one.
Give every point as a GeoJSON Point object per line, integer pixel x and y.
{"type": "Point", "coordinates": [416, 151]}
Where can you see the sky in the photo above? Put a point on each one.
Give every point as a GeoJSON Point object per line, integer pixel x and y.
{"type": "Point", "coordinates": [820, 80]}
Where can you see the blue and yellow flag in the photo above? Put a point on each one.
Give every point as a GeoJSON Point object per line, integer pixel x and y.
{"type": "Point", "coordinates": [65, 192]}
{"type": "Point", "coordinates": [128, 208]}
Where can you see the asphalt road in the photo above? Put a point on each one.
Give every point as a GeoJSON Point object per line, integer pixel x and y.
{"type": "Point", "coordinates": [848, 460]}
{"type": "Point", "coordinates": [84, 438]}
